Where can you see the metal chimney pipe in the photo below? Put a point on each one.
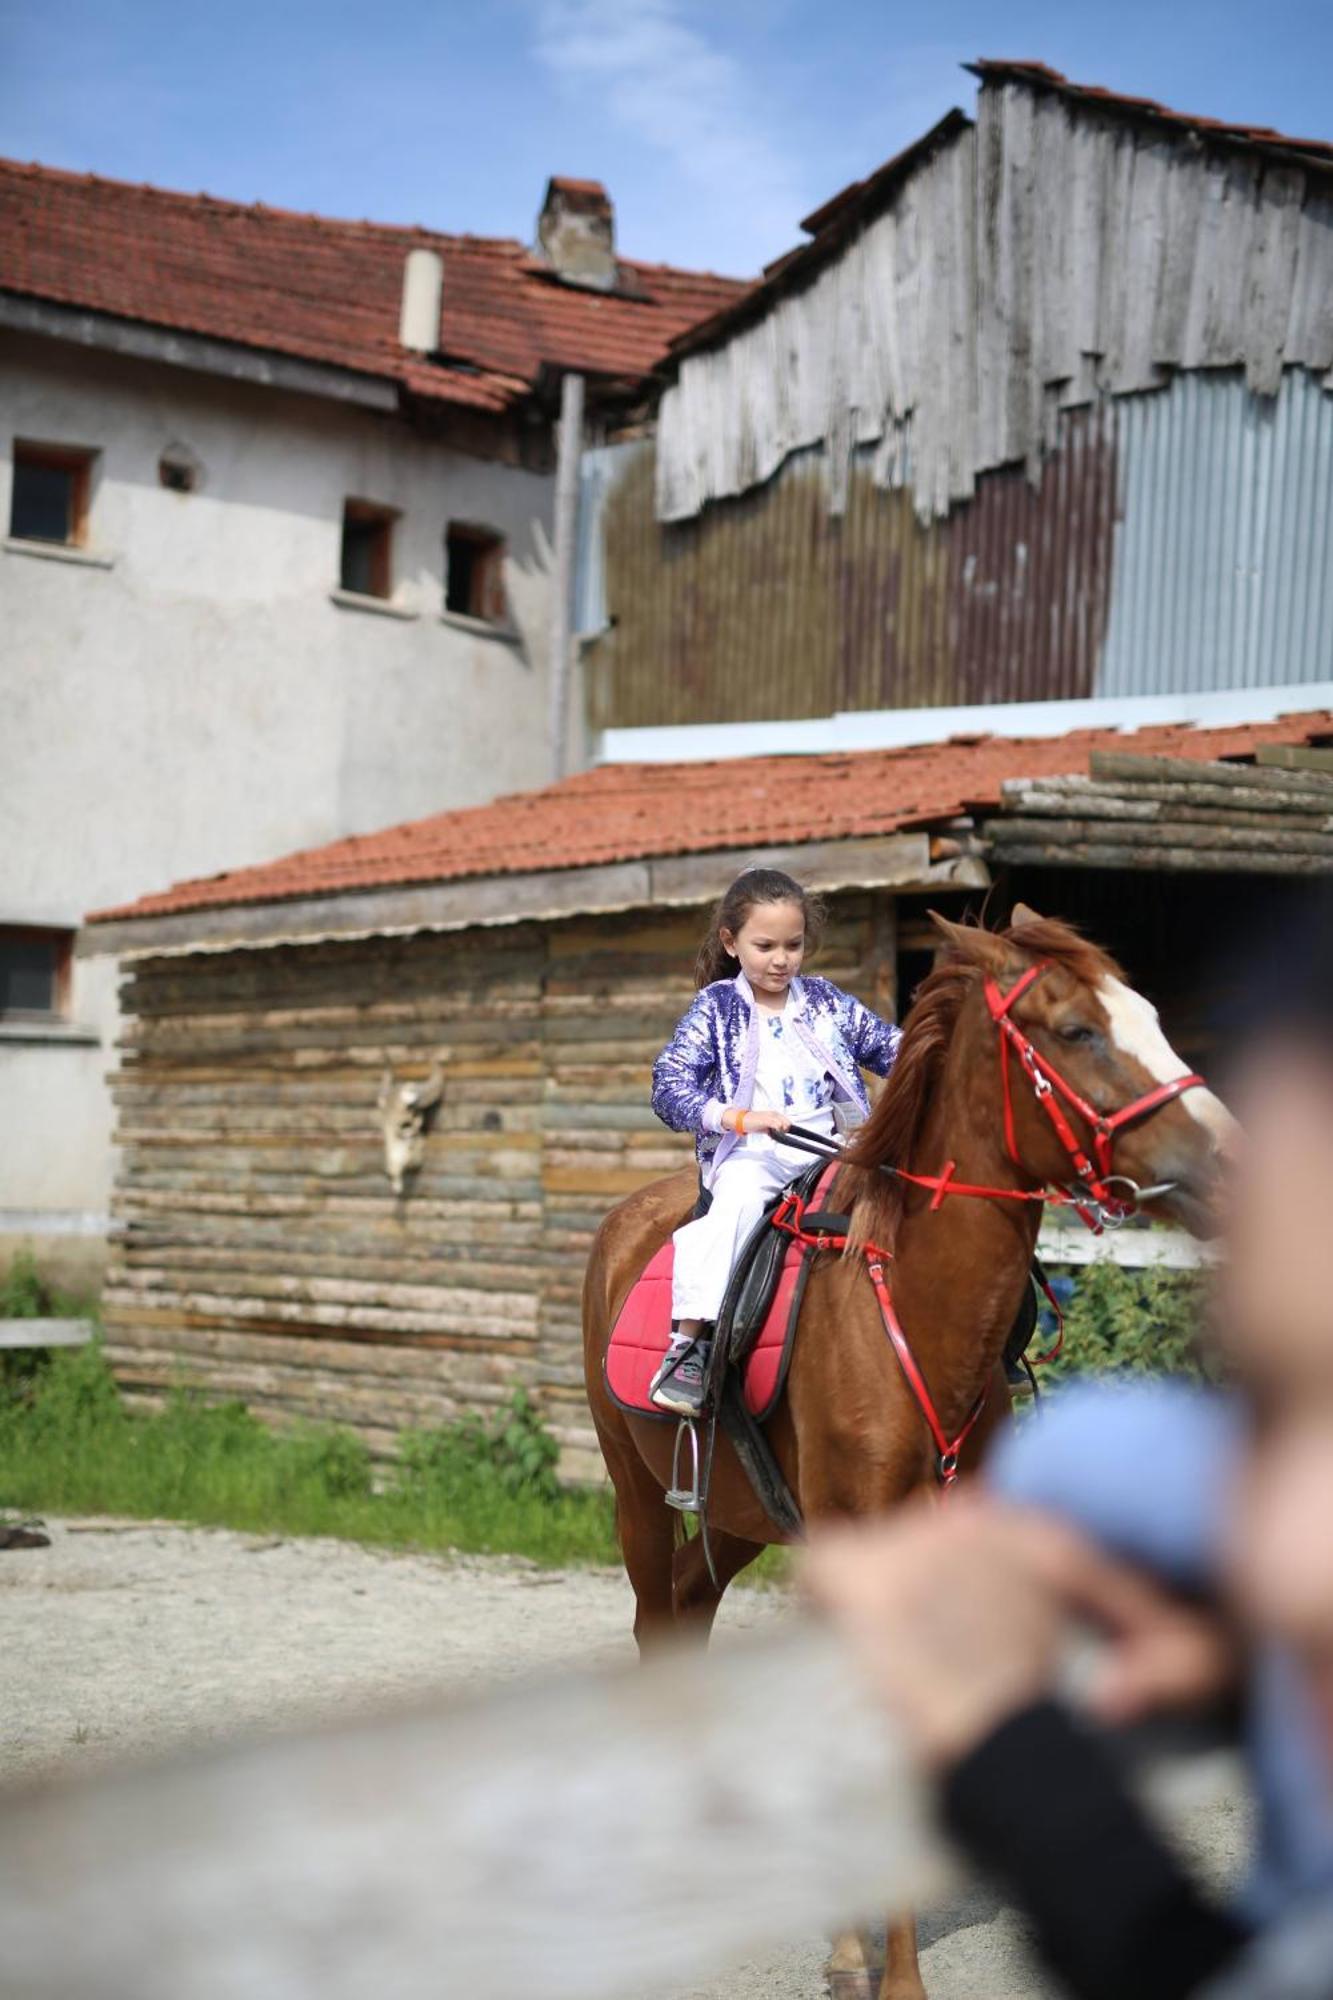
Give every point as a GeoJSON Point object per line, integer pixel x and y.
{"type": "Point", "coordinates": [423, 289]}
{"type": "Point", "coordinates": [569, 452]}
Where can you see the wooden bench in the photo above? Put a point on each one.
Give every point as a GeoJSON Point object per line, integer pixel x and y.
{"type": "Point", "coordinates": [45, 1332]}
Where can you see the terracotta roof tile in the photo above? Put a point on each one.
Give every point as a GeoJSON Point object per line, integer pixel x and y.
{"type": "Point", "coordinates": [625, 812]}
{"type": "Point", "coordinates": [329, 291]}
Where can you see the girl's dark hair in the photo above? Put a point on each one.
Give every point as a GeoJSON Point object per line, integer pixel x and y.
{"type": "Point", "coordinates": [755, 886]}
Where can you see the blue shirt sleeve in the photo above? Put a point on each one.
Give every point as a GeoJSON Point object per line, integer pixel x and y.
{"type": "Point", "coordinates": [685, 1074]}
{"type": "Point", "coordinates": [874, 1041]}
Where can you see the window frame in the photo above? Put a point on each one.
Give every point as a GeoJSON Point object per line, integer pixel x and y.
{"type": "Point", "coordinates": [373, 514]}
{"type": "Point", "coordinates": [62, 979]}
{"type": "Point", "coordinates": [485, 577]}
{"type": "Point", "coordinates": [78, 460]}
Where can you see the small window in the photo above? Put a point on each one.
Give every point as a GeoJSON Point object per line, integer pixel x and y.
{"type": "Point", "coordinates": [178, 469]}
{"type": "Point", "coordinates": [367, 555]}
{"type": "Point", "coordinates": [474, 575]}
{"type": "Point", "coordinates": [34, 972]}
{"type": "Point", "coordinates": [50, 497]}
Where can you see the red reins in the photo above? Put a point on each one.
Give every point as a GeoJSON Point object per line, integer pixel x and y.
{"type": "Point", "coordinates": [1092, 1196]}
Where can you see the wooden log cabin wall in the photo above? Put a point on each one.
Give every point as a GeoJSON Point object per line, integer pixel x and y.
{"type": "Point", "coordinates": [262, 1252]}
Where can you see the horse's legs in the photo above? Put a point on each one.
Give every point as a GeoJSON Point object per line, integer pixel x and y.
{"type": "Point", "coordinates": [852, 1969]}
{"type": "Point", "coordinates": [646, 1529]}
{"type": "Point", "coordinates": [695, 1595]}
{"type": "Point", "coordinates": [902, 1973]}
{"type": "Point", "coordinates": [847, 1971]}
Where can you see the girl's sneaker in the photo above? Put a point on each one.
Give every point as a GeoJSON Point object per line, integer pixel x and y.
{"type": "Point", "coordinates": [678, 1385]}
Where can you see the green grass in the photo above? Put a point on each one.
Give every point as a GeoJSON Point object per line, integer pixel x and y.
{"type": "Point", "coordinates": [69, 1445]}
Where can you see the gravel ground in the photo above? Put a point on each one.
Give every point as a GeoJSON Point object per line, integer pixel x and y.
{"type": "Point", "coordinates": [123, 1637]}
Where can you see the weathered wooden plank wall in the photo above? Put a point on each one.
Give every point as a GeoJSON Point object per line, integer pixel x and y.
{"type": "Point", "coordinates": [1055, 254]}
{"type": "Point", "coordinates": [264, 1255]}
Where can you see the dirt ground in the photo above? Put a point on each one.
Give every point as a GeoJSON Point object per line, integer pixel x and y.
{"type": "Point", "coordinates": [124, 1638]}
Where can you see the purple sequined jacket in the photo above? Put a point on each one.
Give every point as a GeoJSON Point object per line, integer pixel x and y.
{"type": "Point", "coordinates": [710, 1061]}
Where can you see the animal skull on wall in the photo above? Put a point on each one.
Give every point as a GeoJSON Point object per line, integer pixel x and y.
{"type": "Point", "coordinates": [404, 1109]}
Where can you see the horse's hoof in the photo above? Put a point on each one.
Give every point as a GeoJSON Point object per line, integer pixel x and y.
{"type": "Point", "coordinates": [853, 1983]}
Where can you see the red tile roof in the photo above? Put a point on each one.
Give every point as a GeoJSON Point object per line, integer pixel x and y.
{"type": "Point", "coordinates": [329, 291]}
{"type": "Point", "coordinates": [625, 812]}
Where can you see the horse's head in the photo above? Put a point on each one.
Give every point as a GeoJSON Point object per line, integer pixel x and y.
{"type": "Point", "coordinates": [1092, 1033]}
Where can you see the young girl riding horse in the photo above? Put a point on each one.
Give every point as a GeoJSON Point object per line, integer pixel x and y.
{"type": "Point", "coordinates": [759, 1050]}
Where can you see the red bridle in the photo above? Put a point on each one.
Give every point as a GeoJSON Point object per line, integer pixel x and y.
{"type": "Point", "coordinates": [1093, 1195]}
{"type": "Point", "coordinates": [1092, 1171]}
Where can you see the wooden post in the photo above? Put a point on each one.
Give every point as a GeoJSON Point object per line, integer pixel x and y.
{"type": "Point", "coordinates": [566, 529]}
{"type": "Point", "coordinates": [563, 1840]}
{"type": "Point", "coordinates": [882, 957]}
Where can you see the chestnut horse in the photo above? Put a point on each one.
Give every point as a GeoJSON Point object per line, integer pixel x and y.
{"type": "Point", "coordinates": [848, 1433]}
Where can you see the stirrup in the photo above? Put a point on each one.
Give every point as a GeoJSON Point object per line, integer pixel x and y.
{"type": "Point", "coordinates": [685, 1499]}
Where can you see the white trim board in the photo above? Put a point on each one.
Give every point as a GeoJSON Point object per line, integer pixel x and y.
{"type": "Point", "coordinates": [898, 728]}
{"type": "Point", "coordinates": [1159, 1248]}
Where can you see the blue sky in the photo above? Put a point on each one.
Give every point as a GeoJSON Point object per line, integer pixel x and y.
{"type": "Point", "coordinates": [715, 126]}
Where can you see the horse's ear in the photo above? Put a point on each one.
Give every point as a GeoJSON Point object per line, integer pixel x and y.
{"type": "Point", "coordinates": [980, 947]}
{"type": "Point", "coordinates": [1023, 913]}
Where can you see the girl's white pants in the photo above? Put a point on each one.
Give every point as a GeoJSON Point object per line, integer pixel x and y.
{"type": "Point", "coordinates": [706, 1250]}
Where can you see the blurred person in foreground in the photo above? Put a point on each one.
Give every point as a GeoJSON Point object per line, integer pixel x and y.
{"type": "Point", "coordinates": [1193, 1531]}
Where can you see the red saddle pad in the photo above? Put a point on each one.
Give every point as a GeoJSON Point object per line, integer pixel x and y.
{"type": "Point", "coordinates": [643, 1329]}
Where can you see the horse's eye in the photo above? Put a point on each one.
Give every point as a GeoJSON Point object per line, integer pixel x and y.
{"type": "Point", "coordinates": [1074, 1032]}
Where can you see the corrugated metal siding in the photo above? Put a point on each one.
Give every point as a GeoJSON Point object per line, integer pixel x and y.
{"type": "Point", "coordinates": [1176, 542]}
{"type": "Point", "coordinates": [1223, 566]}
{"type": "Point", "coordinates": [769, 607]}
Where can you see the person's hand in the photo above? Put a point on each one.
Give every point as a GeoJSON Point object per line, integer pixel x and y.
{"type": "Point", "coordinates": [960, 1616]}
{"type": "Point", "coordinates": [761, 1121]}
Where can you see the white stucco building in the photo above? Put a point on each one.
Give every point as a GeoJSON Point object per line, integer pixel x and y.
{"type": "Point", "coordinates": [275, 570]}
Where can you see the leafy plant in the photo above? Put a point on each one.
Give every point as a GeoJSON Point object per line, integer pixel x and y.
{"type": "Point", "coordinates": [23, 1292]}
{"type": "Point", "coordinates": [1149, 1321]}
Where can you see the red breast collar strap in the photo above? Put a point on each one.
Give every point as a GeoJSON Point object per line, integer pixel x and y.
{"type": "Point", "coordinates": [948, 1450]}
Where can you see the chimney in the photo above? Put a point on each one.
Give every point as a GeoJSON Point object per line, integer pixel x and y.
{"type": "Point", "coordinates": [423, 286]}
{"type": "Point", "coordinates": [576, 233]}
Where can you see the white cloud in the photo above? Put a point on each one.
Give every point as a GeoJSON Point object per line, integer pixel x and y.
{"type": "Point", "coordinates": [662, 80]}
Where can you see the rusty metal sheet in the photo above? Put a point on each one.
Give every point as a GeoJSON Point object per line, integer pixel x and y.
{"type": "Point", "coordinates": [770, 607]}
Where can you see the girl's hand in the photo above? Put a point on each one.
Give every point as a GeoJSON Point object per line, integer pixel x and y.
{"type": "Point", "coordinates": [758, 1121]}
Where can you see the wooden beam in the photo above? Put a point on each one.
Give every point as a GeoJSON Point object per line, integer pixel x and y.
{"type": "Point", "coordinates": [1162, 860]}
{"type": "Point", "coordinates": [1166, 833]}
{"type": "Point", "coordinates": [1294, 757]}
{"type": "Point", "coordinates": [880, 973]}
{"type": "Point", "coordinates": [1121, 764]}
{"type": "Point", "coordinates": [18, 1333]}
{"type": "Point", "coordinates": [540, 1840]}
{"type": "Point", "coordinates": [891, 860]}
{"type": "Point", "coordinates": [1205, 804]}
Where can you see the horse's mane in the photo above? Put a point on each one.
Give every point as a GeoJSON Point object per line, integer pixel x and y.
{"type": "Point", "coordinates": [890, 1134]}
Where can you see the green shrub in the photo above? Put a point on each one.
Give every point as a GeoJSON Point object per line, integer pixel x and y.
{"type": "Point", "coordinates": [1150, 1321]}
{"type": "Point", "coordinates": [26, 1294]}
{"type": "Point", "coordinates": [23, 1292]}
{"type": "Point", "coordinates": [515, 1449]}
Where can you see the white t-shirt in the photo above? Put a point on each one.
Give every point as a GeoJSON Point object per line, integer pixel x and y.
{"type": "Point", "coordinates": [789, 1077]}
